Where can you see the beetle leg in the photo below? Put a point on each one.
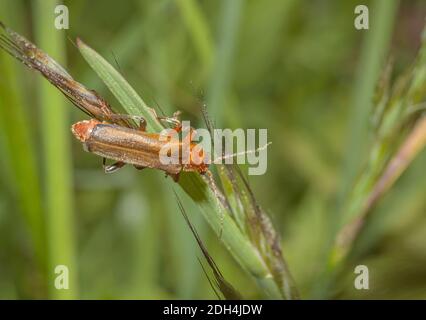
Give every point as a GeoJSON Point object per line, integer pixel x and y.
{"type": "Point", "coordinates": [112, 167]}
{"type": "Point", "coordinates": [142, 121]}
{"type": "Point", "coordinates": [174, 120]}
{"type": "Point", "coordinates": [142, 124]}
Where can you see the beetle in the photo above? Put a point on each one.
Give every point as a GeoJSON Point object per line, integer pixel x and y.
{"type": "Point", "coordinates": [135, 146]}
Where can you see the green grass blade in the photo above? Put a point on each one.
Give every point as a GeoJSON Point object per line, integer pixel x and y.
{"type": "Point", "coordinates": [221, 77]}
{"type": "Point", "coordinates": [125, 94]}
{"type": "Point", "coordinates": [19, 147]}
{"type": "Point", "coordinates": [198, 29]}
{"type": "Point", "coordinates": [57, 159]}
{"type": "Point", "coordinates": [372, 57]}
{"type": "Point", "coordinates": [235, 241]}
{"type": "Point", "coordinates": [21, 154]}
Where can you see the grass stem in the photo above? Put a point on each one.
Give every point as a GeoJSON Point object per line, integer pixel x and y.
{"type": "Point", "coordinates": [57, 158]}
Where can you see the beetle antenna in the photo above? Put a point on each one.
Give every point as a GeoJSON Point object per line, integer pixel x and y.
{"type": "Point", "coordinates": [232, 155]}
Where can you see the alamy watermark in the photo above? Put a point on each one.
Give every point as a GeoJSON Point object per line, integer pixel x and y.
{"type": "Point", "coordinates": [361, 21]}
{"type": "Point", "coordinates": [62, 18]}
{"type": "Point", "coordinates": [362, 280]}
{"type": "Point", "coordinates": [62, 278]}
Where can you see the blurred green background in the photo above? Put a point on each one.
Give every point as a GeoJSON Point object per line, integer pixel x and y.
{"type": "Point", "coordinates": [297, 68]}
